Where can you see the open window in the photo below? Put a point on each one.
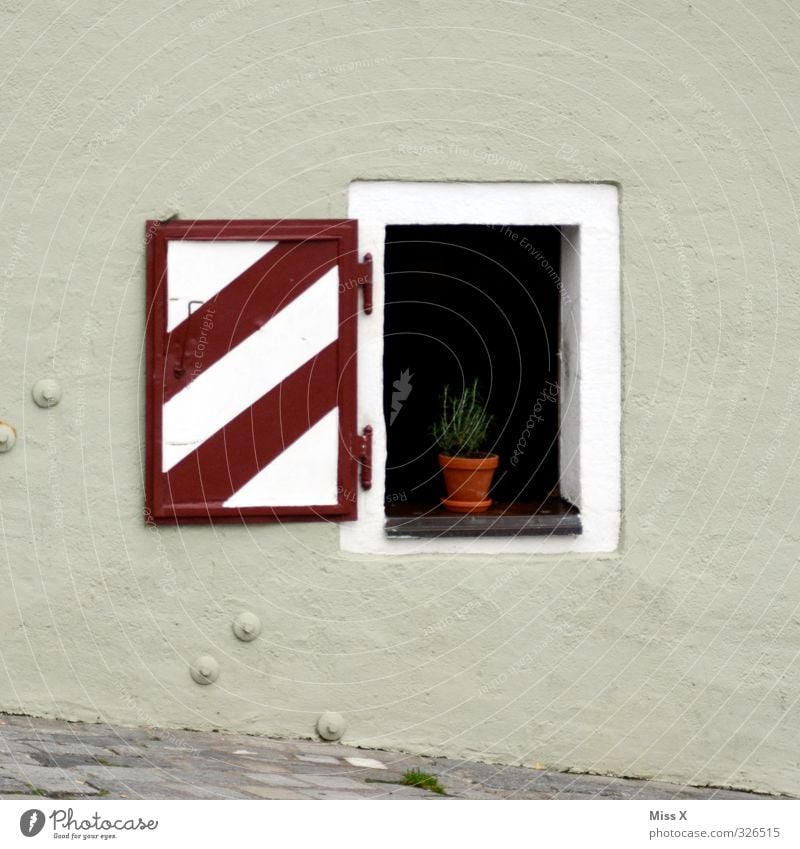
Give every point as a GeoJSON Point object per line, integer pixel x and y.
{"type": "Point", "coordinates": [516, 285]}
{"type": "Point", "coordinates": [463, 303]}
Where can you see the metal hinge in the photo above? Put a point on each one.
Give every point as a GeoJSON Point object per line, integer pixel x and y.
{"type": "Point", "coordinates": [364, 278]}
{"type": "Point", "coordinates": [362, 449]}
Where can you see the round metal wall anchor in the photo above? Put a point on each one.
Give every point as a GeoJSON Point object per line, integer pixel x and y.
{"type": "Point", "coordinates": [247, 626]}
{"type": "Point", "coordinates": [205, 670]}
{"type": "Point", "coordinates": [8, 437]}
{"type": "Point", "coordinates": [331, 726]}
{"type": "Point", "coordinates": [46, 392]}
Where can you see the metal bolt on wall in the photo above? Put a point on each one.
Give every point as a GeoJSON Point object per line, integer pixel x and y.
{"type": "Point", "coordinates": [205, 670]}
{"type": "Point", "coordinates": [46, 392]}
{"type": "Point", "coordinates": [8, 437]}
{"type": "Point", "coordinates": [246, 626]}
{"type": "Point", "coordinates": [331, 726]}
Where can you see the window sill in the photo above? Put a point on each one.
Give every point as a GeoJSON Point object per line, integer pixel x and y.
{"type": "Point", "coordinates": [554, 516]}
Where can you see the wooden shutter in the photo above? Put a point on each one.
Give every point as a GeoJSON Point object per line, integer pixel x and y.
{"type": "Point", "coordinates": [251, 370]}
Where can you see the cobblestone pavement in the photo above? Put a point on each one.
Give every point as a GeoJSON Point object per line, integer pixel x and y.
{"type": "Point", "coordinates": [66, 760]}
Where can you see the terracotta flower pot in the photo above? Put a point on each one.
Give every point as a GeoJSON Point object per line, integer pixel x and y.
{"type": "Point", "coordinates": [468, 481]}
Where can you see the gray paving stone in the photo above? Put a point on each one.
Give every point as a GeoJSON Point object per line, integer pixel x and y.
{"type": "Point", "coordinates": [128, 773]}
{"type": "Point", "coordinates": [339, 794]}
{"type": "Point", "coordinates": [10, 784]}
{"type": "Point", "coordinates": [366, 763]}
{"type": "Point", "coordinates": [278, 780]}
{"type": "Point", "coordinates": [157, 791]}
{"type": "Point", "coordinates": [390, 791]}
{"type": "Point", "coordinates": [73, 747]}
{"type": "Point", "coordinates": [333, 782]}
{"type": "Point", "coordinates": [308, 747]}
{"type": "Point", "coordinates": [20, 759]}
{"type": "Point", "coordinates": [125, 750]}
{"type": "Point", "coordinates": [265, 766]}
{"type": "Point", "coordinates": [269, 748]}
{"type": "Point", "coordinates": [319, 759]}
{"type": "Point", "coordinates": [52, 781]}
{"type": "Point", "coordinates": [210, 791]}
{"type": "Point", "coordinates": [277, 792]}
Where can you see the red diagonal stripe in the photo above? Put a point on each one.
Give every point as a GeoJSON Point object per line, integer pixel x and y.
{"type": "Point", "coordinates": [224, 463]}
{"type": "Point", "coordinates": [243, 307]}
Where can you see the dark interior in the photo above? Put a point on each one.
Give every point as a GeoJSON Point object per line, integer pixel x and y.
{"type": "Point", "coordinates": [467, 301]}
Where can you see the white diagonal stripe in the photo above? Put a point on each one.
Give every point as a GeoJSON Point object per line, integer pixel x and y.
{"type": "Point", "coordinates": [198, 270]}
{"type": "Point", "coordinates": [247, 372]}
{"type": "Point", "coordinates": [305, 473]}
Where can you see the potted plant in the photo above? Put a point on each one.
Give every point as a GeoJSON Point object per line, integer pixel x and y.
{"type": "Point", "coordinates": [461, 433]}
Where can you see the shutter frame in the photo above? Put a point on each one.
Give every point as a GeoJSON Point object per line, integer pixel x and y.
{"type": "Point", "coordinates": [163, 504]}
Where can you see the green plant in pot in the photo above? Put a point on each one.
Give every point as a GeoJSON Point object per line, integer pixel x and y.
{"type": "Point", "coordinates": [462, 433]}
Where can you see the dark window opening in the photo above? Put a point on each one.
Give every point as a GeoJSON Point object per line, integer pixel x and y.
{"type": "Point", "coordinates": [465, 302]}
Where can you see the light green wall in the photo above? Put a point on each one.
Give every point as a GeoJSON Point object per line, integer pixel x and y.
{"type": "Point", "coordinates": [677, 658]}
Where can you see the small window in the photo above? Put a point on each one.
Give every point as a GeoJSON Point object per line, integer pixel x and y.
{"type": "Point", "coordinates": [468, 303]}
{"type": "Point", "coordinates": [517, 285]}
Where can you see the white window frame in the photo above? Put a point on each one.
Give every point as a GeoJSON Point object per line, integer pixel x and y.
{"type": "Point", "coordinates": [590, 356]}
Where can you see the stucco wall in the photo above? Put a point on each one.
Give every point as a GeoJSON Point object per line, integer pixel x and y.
{"type": "Point", "coordinates": [676, 658]}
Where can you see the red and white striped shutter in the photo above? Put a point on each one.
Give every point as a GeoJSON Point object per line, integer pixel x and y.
{"type": "Point", "coordinates": [252, 370]}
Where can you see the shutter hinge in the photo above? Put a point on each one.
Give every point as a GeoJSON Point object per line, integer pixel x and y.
{"type": "Point", "coordinates": [364, 277]}
{"type": "Point", "coordinates": [362, 448]}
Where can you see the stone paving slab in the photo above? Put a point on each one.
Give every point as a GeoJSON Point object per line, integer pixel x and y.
{"type": "Point", "coordinates": [73, 760]}
{"type": "Point", "coordinates": [10, 784]}
{"type": "Point", "coordinates": [50, 781]}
